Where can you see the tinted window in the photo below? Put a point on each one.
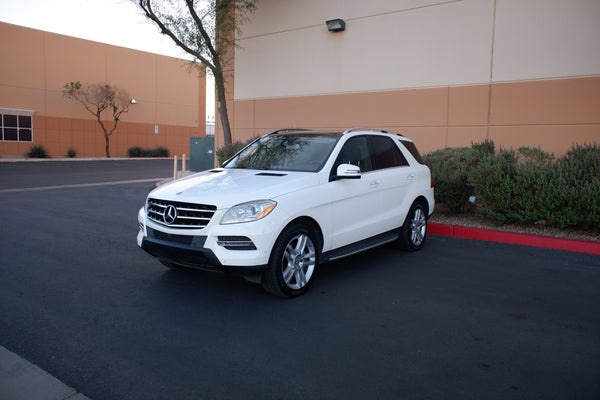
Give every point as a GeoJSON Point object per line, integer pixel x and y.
{"type": "Point", "coordinates": [24, 121]}
{"type": "Point", "coordinates": [410, 146]}
{"type": "Point", "coordinates": [355, 152]}
{"type": "Point", "coordinates": [25, 135]}
{"type": "Point", "coordinates": [10, 121]}
{"type": "Point", "coordinates": [386, 154]}
{"type": "Point", "coordinates": [10, 134]}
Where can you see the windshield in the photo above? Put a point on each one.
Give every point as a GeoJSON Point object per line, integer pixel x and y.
{"type": "Point", "coordinates": [300, 152]}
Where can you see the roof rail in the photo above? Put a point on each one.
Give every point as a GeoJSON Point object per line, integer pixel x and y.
{"type": "Point", "coordinates": [288, 130]}
{"type": "Point", "coordinates": [372, 130]}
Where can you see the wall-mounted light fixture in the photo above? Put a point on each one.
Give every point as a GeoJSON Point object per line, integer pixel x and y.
{"type": "Point", "coordinates": [133, 101]}
{"type": "Point", "coordinates": [335, 25]}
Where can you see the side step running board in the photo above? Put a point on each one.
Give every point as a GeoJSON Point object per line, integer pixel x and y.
{"type": "Point", "coordinates": [360, 246]}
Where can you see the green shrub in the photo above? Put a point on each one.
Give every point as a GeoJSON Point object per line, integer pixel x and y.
{"type": "Point", "coordinates": [529, 185]}
{"type": "Point", "coordinates": [572, 193]}
{"type": "Point", "coordinates": [524, 186]}
{"type": "Point", "coordinates": [71, 152]}
{"type": "Point", "coordinates": [159, 151]}
{"type": "Point", "coordinates": [226, 152]}
{"type": "Point", "coordinates": [508, 188]}
{"type": "Point", "coordinates": [137, 151]}
{"type": "Point", "coordinates": [38, 151]}
{"type": "Point", "coordinates": [485, 148]}
{"type": "Point", "coordinates": [450, 169]}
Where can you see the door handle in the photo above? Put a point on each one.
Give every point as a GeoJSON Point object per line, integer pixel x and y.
{"type": "Point", "coordinates": [410, 177]}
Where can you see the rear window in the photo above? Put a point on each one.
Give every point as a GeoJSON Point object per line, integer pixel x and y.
{"type": "Point", "coordinates": [410, 146]}
{"type": "Point", "coordinates": [386, 153]}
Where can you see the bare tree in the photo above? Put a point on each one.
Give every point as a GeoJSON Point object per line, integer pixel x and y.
{"type": "Point", "coordinates": [96, 98]}
{"type": "Point", "coordinates": [206, 30]}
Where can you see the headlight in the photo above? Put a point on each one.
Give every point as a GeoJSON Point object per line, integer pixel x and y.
{"type": "Point", "coordinates": [246, 212]}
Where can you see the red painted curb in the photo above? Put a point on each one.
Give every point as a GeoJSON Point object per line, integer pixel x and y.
{"type": "Point", "coordinates": [579, 246]}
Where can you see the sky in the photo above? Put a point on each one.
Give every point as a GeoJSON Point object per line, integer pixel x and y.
{"type": "Point", "coordinates": [115, 22]}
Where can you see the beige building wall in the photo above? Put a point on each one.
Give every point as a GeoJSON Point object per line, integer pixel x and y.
{"type": "Point", "coordinates": [445, 73]}
{"type": "Point", "coordinates": [36, 65]}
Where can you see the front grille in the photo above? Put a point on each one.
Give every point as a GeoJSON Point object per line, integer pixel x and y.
{"type": "Point", "coordinates": [176, 214]}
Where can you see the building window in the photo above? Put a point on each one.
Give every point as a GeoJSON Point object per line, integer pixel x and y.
{"type": "Point", "coordinates": [16, 125]}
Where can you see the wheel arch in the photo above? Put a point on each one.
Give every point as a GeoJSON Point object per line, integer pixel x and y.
{"type": "Point", "coordinates": [423, 200]}
{"type": "Point", "coordinates": [311, 223]}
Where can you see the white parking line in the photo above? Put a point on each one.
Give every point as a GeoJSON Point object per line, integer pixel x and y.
{"type": "Point", "coordinates": [78, 185]}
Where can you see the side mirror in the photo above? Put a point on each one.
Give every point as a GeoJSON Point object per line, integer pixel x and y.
{"type": "Point", "coordinates": [347, 171]}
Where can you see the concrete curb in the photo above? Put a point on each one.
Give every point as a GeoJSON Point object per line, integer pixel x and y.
{"type": "Point", "coordinates": [579, 246]}
{"type": "Point", "coordinates": [21, 380]}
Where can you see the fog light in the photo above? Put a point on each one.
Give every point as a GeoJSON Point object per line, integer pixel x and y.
{"type": "Point", "coordinates": [236, 243]}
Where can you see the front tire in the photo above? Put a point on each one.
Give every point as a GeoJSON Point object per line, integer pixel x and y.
{"type": "Point", "coordinates": [293, 262]}
{"type": "Point", "coordinates": [414, 231]}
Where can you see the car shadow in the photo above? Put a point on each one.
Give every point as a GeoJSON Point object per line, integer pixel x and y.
{"type": "Point", "coordinates": [214, 287]}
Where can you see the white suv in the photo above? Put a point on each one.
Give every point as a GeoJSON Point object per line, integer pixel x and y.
{"type": "Point", "coordinates": [289, 201]}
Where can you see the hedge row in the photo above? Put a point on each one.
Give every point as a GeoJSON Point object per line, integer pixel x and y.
{"type": "Point", "coordinates": [523, 186]}
{"type": "Point", "coordinates": [137, 151]}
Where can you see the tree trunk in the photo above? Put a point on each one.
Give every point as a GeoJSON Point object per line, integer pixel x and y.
{"type": "Point", "coordinates": [107, 152]}
{"type": "Point", "coordinates": [220, 86]}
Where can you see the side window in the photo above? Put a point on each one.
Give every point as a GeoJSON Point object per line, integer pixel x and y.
{"type": "Point", "coordinates": [410, 146]}
{"type": "Point", "coordinates": [355, 152]}
{"type": "Point", "coordinates": [386, 154]}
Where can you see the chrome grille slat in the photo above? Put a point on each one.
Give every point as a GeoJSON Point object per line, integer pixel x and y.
{"type": "Point", "coordinates": [196, 218]}
{"type": "Point", "coordinates": [186, 209]}
{"type": "Point", "coordinates": [188, 215]}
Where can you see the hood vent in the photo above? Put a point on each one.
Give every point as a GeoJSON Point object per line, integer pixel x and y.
{"type": "Point", "coordinates": [270, 174]}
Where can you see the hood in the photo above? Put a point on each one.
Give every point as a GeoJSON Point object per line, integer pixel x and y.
{"type": "Point", "coordinates": [225, 188]}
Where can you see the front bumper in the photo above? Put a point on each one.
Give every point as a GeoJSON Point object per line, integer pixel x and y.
{"type": "Point", "coordinates": [218, 252]}
{"type": "Point", "coordinates": [191, 257]}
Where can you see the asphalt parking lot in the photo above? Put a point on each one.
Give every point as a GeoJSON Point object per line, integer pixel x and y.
{"type": "Point", "coordinates": [461, 319]}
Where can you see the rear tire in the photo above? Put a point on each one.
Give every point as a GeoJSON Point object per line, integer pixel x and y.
{"type": "Point", "coordinates": [293, 262]}
{"type": "Point", "coordinates": [414, 231]}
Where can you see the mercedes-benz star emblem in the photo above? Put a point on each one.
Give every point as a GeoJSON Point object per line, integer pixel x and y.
{"type": "Point", "coordinates": [170, 215]}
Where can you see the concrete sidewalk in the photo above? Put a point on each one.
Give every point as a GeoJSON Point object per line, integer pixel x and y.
{"type": "Point", "coordinates": [21, 380]}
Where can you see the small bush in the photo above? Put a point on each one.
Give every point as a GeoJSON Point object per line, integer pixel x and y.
{"type": "Point", "coordinates": [71, 152]}
{"type": "Point", "coordinates": [137, 151]}
{"type": "Point", "coordinates": [485, 148]}
{"type": "Point", "coordinates": [508, 187]}
{"type": "Point", "coordinates": [159, 151]}
{"type": "Point", "coordinates": [450, 169]}
{"type": "Point", "coordinates": [572, 193]}
{"type": "Point", "coordinates": [38, 151]}
{"type": "Point", "coordinates": [226, 152]}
